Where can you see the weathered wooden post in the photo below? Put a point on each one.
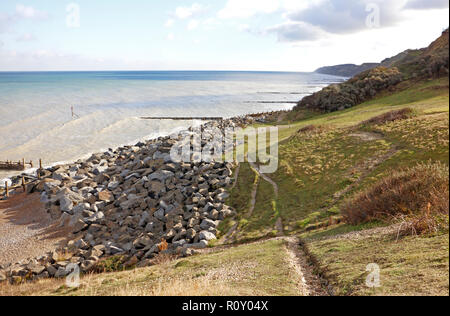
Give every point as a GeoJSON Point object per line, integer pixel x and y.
{"type": "Point", "coordinates": [6, 189]}
{"type": "Point", "coordinates": [24, 186]}
{"type": "Point", "coordinates": [31, 163]}
{"type": "Point", "coordinates": [39, 170]}
{"type": "Point", "coordinates": [23, 162]}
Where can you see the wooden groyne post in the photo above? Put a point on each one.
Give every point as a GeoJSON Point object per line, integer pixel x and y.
{"type": "Point", "coordinates": [19, 165]}
{"type": "Point", "coordinates": [203, 118]}
{"type": "Point", "coordinates": [24, 186]}
{"type": "Point", "coordinates": [39, 170]}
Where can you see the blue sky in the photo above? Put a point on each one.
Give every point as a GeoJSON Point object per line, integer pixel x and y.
{"type": "Point", "coordinates": [285, 35]}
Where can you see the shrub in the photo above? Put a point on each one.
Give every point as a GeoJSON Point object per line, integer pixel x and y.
{"type": "Point", "coordinates": [419, 196]}
{"type": "Point", "coordinates": [391, 116]}
{"type": "Point", "coordinates": [364, 86]}
{"type": "Point", "coordinates": [312, 130]}
{"type": "Point", "coordinates": [110, 264]}
{"type": "Point", "coordinates": [164, 258]}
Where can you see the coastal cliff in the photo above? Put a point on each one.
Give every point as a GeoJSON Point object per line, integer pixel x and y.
{"type": "Point", "coordinates": [346, 70]}
{"type": "Point", "coordinates": [430, 62]}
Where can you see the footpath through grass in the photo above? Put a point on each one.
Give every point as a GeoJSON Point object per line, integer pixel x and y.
{"type": "Point", "coordinates": [319, 169]}
{"type": "Point", "coordinates": [408, 266]}
{"type": "Point", "coordinates": [249, 270]}
{"type": "Point", "coordinates": [324, 165]}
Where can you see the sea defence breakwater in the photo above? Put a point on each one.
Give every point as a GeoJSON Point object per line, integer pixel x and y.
{"type": "Point", "coordinates": [132, 203]}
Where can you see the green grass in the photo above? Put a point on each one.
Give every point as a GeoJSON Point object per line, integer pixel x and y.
{"type": "Point", "coordinates": [419, 139]}
{"type": "Point", "coordinates": [265, 214]}
{"type": "Point", "coordinates": [337, 230]}
{"type": "Point", "coordinates": [314, 167]}
{"type": "Point", "coordinates": [240, 196]}
{"type": "Point", "coordinates": [256, 270]}
{"type": "Point", "coordinates": [409, 266]}
{"type": "Point", "coordinates": [430, 96]}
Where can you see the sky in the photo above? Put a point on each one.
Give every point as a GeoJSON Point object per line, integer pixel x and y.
{"type": "Point", "coordinates": [263, 35]}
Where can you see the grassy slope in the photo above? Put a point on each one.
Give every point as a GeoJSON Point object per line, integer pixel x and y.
{"type": "Point", "coordinates": [409, 266]}
{"type": "Point", "coordinates": [256, 269]}
{"type": "Point", "coordinates": [313, 168]}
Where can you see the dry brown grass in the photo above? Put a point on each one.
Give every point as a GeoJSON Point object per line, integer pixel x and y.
{"type": "Point", "coordinates": [164, 258]}
{"type": "Point", "coordinates": [312, 129]}
{"type": "Point", "coordinates": [63, 255]}
{"type": "Point", "coordinates": [419, 196]}
{"type": "Point", "coordinates": [258, 269]}
{"type": "Point", "coordinates": [391, 116]}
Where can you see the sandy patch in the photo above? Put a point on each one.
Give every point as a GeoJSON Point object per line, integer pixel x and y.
{"type": "Point", "coordinates": [26, 230]}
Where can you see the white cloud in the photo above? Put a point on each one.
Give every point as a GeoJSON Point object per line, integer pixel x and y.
{"type": "Point", "coordinates": [22, 12]}
{"type": "Point", "coordinates": [28, 12]}
{"type": "Point", "coordinates": [210, 21]}
{"type": "Point", "coordinates": [193, 24]}
{"type": "Point", "coordinates": [427, 4]}
{"type": "Point", "coordinates": [27, 37]}
{"type": "Point", "coordinates": [5, 22]}
{"type": "Point", "coordinates": [170, 37]}
{"type": "Point", "coordinates": [248, 8]}
{"type": "Point", "coordinates": [243, 27]}
{"type": "Point", "coordinates": [296, 32]}
{"type": "Point", "coordinates": [188, 12]}
{"type": "Point", "coordinates": [169, 23]}
{"type": "Point", "coordinates": [343, 16]}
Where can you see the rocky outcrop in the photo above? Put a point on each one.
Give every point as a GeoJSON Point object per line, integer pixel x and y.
{"type": "Point", "coordinates": [352, 92]}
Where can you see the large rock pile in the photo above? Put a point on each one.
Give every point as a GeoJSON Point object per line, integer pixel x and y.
{"type": "Point", "coordinates": [133, 202]}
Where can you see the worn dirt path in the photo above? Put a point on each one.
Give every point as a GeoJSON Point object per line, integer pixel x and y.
{"type": "Point", "coordinates": [266, 178]}
{"type": "Point", "coordinates": [308, 283]}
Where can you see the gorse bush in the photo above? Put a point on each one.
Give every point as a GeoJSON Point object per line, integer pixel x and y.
{"type": "Point", "coordinates": [110, 264]}
{"type": "Point", "coordinates": [312, 129]}
{"type": "Point", "coordinates": [391, 116]}
{"type": "Point", "coordinates": [363, 87]}
{"type": "Point", "coordinates": [418, 196]}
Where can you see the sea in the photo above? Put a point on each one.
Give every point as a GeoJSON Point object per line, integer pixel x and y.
{"type": "Point", "coordinates": [64, 116]}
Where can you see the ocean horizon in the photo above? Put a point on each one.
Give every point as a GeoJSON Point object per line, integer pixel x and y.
{"type": "Point", "coordinates": [36, 119]}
